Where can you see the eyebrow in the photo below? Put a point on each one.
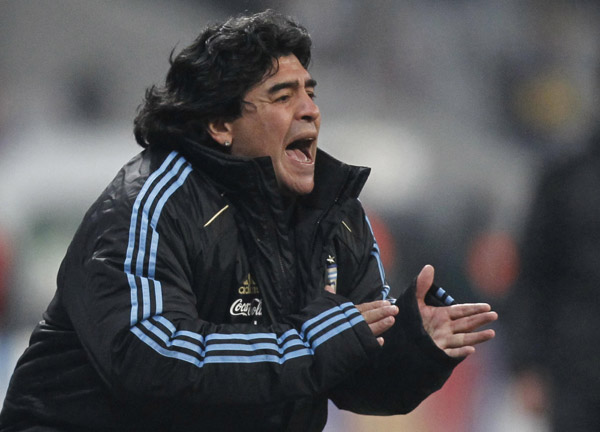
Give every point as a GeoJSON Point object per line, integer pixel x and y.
{"type": "Point", "coordinates": [291, 84]}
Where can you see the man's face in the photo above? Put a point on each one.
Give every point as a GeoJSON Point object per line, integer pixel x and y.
{"type": "Point", "coordinates": [280, 119]}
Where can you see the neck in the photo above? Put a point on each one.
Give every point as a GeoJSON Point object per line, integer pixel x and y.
{"type": "Point", "coordinates": [289, 205]}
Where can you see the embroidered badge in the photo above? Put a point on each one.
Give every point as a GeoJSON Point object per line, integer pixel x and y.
{"type": "Point", "coordinates": [332, 272]}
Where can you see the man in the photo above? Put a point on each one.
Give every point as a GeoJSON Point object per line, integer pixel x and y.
{"type": "Point", "coordinates": [228, 279]}
{"type": "Point", "coordinates": [557, 374]}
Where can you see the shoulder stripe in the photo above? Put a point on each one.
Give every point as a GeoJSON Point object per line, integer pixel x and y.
{"type": "Point", "coordinates": [377, 255]}
{"type": "Point", "coordinates": [141, 278]}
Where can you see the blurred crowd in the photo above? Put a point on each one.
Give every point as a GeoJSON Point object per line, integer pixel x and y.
{"type": "Point", "coordinates": [460, 107]}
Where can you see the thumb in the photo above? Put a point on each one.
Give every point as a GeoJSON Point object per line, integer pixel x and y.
{"type": "Point", "coordinates": [424, 281]}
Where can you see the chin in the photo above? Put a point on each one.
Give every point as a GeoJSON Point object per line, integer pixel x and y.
{"type": "Point", "coordinates": [299, 188]}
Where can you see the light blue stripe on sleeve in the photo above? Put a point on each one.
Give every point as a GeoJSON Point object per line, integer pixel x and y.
{"type": "Point", "coordinates": [376, 254]}
{"type": "Point", "coordinates": [331, 333]}
{"type": "Point", "coordinates": [173, 342]}
{"type": "Point", "coordinates": [259, 358]}
{"type": "Point", "coordinates": [157, 211]}
{"type": "Point", "coordinates": [323, 325]}
{"type": "Point", "coordinates": [319, 317]}
{"type": "Point", "coordinates": [145, 220]}
{"type": "Point", "coordinates": [132, 231]}
{"type": "Point", "coordinates": [144, 225]}
{"type": "Point", "coordinates": [163, 351]}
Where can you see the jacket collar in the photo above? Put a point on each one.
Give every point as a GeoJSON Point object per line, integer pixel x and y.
{"type": "Point", "coordinates": [244, 177]}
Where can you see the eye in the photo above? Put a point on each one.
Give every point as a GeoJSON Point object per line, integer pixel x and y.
{"type": "Point", "coordinates": [283, 98]}
{"type": "Point", "coordinates": [311, 94]}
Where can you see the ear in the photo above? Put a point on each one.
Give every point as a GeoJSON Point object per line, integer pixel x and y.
{"type": "Point", "coordinates": [221, 131]}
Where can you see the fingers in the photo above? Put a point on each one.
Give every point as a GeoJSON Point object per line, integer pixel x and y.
{"type": "Point", "coordinates": [460, 352]}
{"type": "Point", "coordinates": [379, 315]}
{"type": "Point", "coordinates": [467, 309]}
{"type": "Point", "coordinates": [467, 318]}
{"type": "Point", "coordinates": [469, 339]}
{"type": "Point", "coordinates": [424, 281]}
{"type": "Point", "coordinates": [381, 326]}
{"type": "Point", "coordinates": [462, 345]}
{"type": "Point", "coordinates": [471, 323]}
{"type": "Point", "coordinates": [364, 307]}
{"type": "Point", "coordinates": [455, 329]}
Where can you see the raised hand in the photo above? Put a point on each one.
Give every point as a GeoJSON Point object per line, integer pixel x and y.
{"type": "Point", "coordinates": [454, 329]}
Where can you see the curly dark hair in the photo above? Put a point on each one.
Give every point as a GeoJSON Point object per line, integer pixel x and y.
{"type": "Point", "coordinates": [208, 79]}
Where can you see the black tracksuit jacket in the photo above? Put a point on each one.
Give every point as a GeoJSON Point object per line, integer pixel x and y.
{"type": "Point", "coordinates": [192, 299]}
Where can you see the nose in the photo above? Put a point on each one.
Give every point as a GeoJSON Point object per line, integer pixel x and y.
{"type": "Point", "coordinates": [308, 109]}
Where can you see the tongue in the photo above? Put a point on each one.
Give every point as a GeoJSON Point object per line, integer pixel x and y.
{"type": "Point", "coordinates": [296, 154]}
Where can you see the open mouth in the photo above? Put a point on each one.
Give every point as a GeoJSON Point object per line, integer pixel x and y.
{"type": "Point", "coordinates": [299, 150]}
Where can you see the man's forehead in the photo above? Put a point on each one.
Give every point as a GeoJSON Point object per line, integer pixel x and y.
{"type": "Point", "coordinates": [293, 84]}
{"type": "Point", "coordinates": [288, 71]}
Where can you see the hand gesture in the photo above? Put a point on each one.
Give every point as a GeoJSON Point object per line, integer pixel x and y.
{"type": "Point", "coordinates": [378, 314]}
{"type": "Point", "coordinates": [453, 328]}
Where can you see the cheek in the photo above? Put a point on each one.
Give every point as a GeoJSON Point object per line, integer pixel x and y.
{"type": "Point", "coordinates": [277, 121]}
{"type": "Point", "coordinates": [247, 141]}
{"type": "Point", "coordinates": [262, 135]}
{"type": "Point", "coordinates": [273, 136]}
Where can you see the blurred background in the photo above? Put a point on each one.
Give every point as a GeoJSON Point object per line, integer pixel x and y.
{"type": "Point", "coordinates": [458, 106]}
